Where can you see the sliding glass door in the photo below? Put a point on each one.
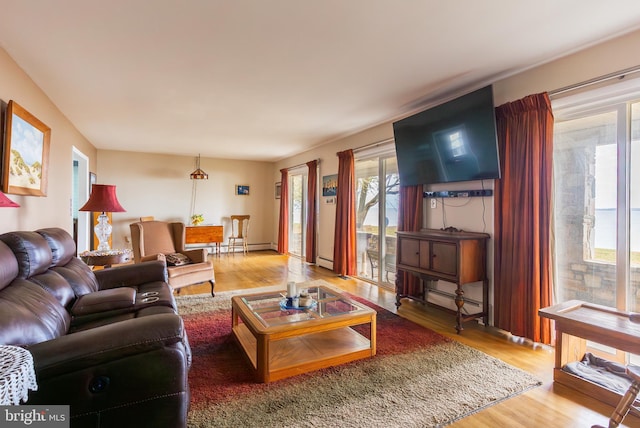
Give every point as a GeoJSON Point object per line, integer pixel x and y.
{"type": "Point", "coordinates": [297, 212]}
{"type": "Point", "coordinates": [377, 193]}
{"type": "Point", "coordinates": [597, 206]}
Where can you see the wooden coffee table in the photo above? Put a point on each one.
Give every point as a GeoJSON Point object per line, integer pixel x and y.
{"type": "Point", "coordinates": [280, 342]}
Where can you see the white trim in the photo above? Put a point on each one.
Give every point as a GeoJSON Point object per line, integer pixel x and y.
{"type": "Point", "coordinates": [623, 91]}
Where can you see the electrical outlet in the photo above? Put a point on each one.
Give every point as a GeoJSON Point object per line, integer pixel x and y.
{"type": "Point", "coordinates": [434, 203]}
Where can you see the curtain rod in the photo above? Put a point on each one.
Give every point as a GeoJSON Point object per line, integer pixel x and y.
{"type": "Point", "coordinates": [300, 165]}
{"type": "Point", "coordinates": [615, 75]}
{"type": "Point", "coordinates": [368, 146]}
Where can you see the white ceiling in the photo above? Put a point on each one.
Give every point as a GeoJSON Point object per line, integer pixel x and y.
{"type": "Point", "coordinates": [266, 79]}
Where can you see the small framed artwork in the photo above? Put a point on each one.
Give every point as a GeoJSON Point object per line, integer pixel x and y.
{"type": "Point", "coordinates": [278, 189]}
{"type": "Point", "coordinates": [93, 179]}
{"type": "Point", "coordinates": [26, 153]}
{"type": "Point", "coordinates": [242, 190]}
{"type": "Point", "coordinates": [329, 185]}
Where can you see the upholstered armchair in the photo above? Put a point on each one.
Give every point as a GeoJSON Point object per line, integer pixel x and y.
{"type": "Point", "coordinates": [161, 240]}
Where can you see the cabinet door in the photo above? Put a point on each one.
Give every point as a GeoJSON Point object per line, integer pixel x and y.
{"type": "Point", "coordinates": [445, 258]}
{"type": "Point", "coordinates": [409, 253]}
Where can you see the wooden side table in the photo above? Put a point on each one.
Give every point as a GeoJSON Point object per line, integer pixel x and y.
{"type": "Point", "coordinates": [17, 375]}
{"type": "Point", "coordinates": [106, 258]}
{"type": "Point", "coordinates": [204, 235]}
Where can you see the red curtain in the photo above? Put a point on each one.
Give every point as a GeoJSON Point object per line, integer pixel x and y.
{"type": "Point", "coordinates": [312, 189]}
{"type": "Point", "coordinates": [344, 242]}
{"type": "Point", "coordinates": [283, 222]}
{"type": "Point", "coordinates": [522, 217]}
{"type": "Point", "coordinates": [409, 220]}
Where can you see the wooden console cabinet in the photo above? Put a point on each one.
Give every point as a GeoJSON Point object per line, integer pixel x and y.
{"type": "Point", "coordinates": [454, 256]}
{"type": "Point", "coordinates": [204, 235]}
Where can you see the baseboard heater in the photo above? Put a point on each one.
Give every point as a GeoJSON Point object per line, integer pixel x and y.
{"type": "Point", "coordinates": [225, 248]}
{"type": "Point", "coordinates": [453, 296]}
{"type": "Point", "coordinates": [325, 263]}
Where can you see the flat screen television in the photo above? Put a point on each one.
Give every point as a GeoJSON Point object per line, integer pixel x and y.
{"type": "Point", "coordinates": [454, 141]}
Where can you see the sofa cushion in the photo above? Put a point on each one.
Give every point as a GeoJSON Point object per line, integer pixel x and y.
{"type": "Point", "coordinates": [30, 250]}
{"type": "Point", "coordinates": [56, 285]}
{"type": "Point", "coordinates": [177, 259]}
{"type": "Point", "coordinates": [80, 276]}
{"type": "Point", "coordinates": [29, 314]}
{"type": "Point", "coordinates": [62, 246]}
{"type": "Point", "coordinates": [8, 265]}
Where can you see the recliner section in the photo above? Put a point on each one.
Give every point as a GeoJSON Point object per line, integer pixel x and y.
{"type": "Point", "coordinates": [108, 343]}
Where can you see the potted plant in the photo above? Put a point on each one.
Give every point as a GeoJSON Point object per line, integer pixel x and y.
{"type": "Point", "coordinates": [197, 219]}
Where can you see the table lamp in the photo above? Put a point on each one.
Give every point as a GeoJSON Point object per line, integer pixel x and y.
{"type": "Point", "coordinates": [6, 202]}
{"type": "Point", "coordinates": [103, 200]}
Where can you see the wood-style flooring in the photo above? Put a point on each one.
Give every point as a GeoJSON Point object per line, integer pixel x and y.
{"type": "Point", "coordinates": [546, 406]}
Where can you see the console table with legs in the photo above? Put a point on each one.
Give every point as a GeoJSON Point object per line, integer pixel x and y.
{"type": "Point", "coordinates": [451, 255]}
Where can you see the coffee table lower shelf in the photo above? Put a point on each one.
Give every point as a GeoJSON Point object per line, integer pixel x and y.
{"type": "Point", "coordinates": [292, 356]}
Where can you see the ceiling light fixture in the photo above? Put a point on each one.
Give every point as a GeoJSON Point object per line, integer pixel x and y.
{"type": "Point", "coordinates": [199, 174]}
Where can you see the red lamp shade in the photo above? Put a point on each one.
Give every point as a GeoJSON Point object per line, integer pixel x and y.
{"type": "Point", "coordinates": [103, 199]}
{"type": "Point", "coordinates": [6, 202]}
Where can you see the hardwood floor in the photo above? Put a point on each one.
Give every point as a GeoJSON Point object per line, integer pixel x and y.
{"type": "Point", "coordinates": [548, 405]}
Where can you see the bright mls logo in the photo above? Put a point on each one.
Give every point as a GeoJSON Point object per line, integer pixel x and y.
{"type": "Point", "coordinates": [34, 416]}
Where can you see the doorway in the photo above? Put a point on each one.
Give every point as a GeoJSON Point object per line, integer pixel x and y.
{"type": "Point", "coordinates": [297, 212]}
{"type": "Point", "coordinates": [79, 195]}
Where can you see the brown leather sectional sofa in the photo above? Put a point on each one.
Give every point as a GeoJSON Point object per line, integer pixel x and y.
{"type": "Point", "coordinates": [108, 343]}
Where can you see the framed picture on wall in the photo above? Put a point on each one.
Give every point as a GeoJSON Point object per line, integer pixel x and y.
{"type": "Point", "coordinates": [278, 189]}
{"type": "Point", "coordinates": [242, 190]}
{"type": "Point", "coordinates": [26, 153]}
{"type": "Point", "coordinates": [329, 185]}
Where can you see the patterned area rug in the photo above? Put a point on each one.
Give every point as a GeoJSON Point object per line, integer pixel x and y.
{"type": "Point", "coordinates": [418, 378]}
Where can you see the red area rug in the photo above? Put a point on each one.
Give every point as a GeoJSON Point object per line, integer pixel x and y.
{"type": "Point", "coordinates": [418, 378]}
{"type": "Point", "coordinates": [218, 360]}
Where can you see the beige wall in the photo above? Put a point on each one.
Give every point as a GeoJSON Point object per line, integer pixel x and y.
{"type": "Point", "coordinates": [159, 185]}
{"type": "Point", "coordinates": [476, 214]}
{"type": "Point", "coordinates": [55, 208]}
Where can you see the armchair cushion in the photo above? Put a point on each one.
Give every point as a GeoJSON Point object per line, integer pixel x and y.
{"type": "Point", "coordinates": [177, 259]}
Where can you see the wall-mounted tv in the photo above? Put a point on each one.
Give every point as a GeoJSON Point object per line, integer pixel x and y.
{"type": "Point", "coordinates": [454, 141]}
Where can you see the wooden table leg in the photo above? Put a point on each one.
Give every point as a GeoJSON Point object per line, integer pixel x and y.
{"type": "Point", "coordinates": [459, 299]}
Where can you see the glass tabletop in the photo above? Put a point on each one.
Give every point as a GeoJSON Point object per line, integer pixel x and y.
{"type": "Point", "coordinates": [327, 303]}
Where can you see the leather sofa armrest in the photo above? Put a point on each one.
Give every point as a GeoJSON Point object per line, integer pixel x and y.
{"type": "Point", "coordinates": [104, 300]}
{"type": "Point", "coordinates": [105, 344]}
{"type": "Point", "coordinates": [131, 275]}
{"type": "Point", "coordinates": [197, 255]}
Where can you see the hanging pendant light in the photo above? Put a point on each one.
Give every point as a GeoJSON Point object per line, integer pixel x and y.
{"type": "Point", "coordinates": [199, 174]}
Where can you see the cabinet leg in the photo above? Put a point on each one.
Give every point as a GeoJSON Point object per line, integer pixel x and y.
{"type": "Point", "coordinates": [459, 299]}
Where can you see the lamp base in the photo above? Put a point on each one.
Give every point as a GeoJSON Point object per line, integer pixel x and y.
{"type": "Point", "coordinates": [103, 232]}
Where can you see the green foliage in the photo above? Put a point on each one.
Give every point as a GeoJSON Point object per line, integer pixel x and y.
{"type": "Point", "coordinates": [609, 256]}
